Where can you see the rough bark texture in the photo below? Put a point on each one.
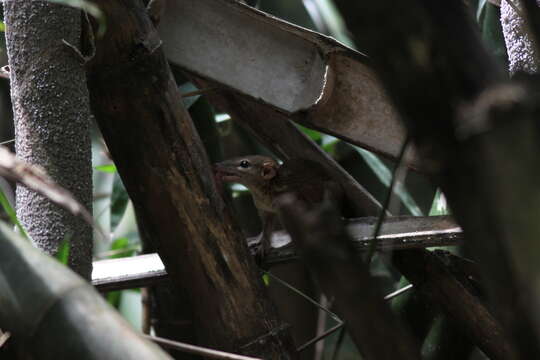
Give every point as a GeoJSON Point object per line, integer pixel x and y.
{"type": "Point", "coordinates": [522, 55]}
{"type": "Point", "coordinates": [52, 114]}
{"type": "Point", "coordinates": [167, 174]}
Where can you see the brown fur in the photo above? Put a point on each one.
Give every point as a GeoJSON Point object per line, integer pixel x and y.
{"type": "Point", "coordinates": [307, 179]}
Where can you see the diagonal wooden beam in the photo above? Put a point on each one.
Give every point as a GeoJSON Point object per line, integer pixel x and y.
{"type": "Point", "coordinates": [295, 73]}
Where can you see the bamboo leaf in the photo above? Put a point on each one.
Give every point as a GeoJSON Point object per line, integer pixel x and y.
{"type": "Point", "coordinates": [10, 211]}
{"type": "Point", "coordinates": [63, 251]}
{"type": "Point", "coordinates": [439, 206]}
{"type": "Point", "coordinates": [480, 9]}
{"type": "Point", "coordinates": [385, 176]}
{"type": "Point", "coordinates": [110, 168]}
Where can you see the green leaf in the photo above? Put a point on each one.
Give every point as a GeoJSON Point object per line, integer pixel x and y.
{"type": "Point", "coordinates": [329, 143]}
{"type": "Point", "coordinates": [113, 298]}
{"type": "Point", "coordinates": [119, 202]}
{"type": "Point", "coordinates": [492, 34]}
{"type": "Point", "coordinates": [124, 244]}
{"type": "Point", "coordinates": [120, 243]}
{"type": "Point", "coordinates": [480, 9]}
{"type": "Point", "coordinates": [313, 134]}
{"type": "Point", "coordinates": [126, 227]}
{"type": "Point", "coordinates": [110, 168]}
{"type": "Point", "coordinates": [12, 214]}
{"type": "Point", "coordinates": [2, 26]}
{"type": "Point", "coordinates": [266, 279]}
{"type": "Point", "coordinates": [439, 205]}
{"type": "Point", "coordinates": [88, 7]}
{"type": "Point", "coordinates": [331, 18]}
{"type": "Point", "coordinates": [385, 176]}
{"type": "Point", "coordinates": [63, 251]}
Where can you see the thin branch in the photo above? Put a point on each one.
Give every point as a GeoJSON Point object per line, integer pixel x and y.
{"type": "Point", "coordinates": [320, 337]}
{"type": "Point", "coordinates": [339, 342]}
{"type": "Point", "coordinates": [387, 200]}
{"type": "Point", "coordinates": [340, 322]}
{"type": "Point", "coordinates": [7, 142]}
{"type": "Point", "coordinates": [301, 294]}
{"type": "Point", "coordinates": [321, 327]}
{"type": "Point", "coordinates": [197, 350]}
{"type": "Point", "coordinates": [340, 325]}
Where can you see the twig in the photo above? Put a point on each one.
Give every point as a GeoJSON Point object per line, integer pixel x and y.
{"type": "Point", "coordinates": [298, 292]}
{"type": "Point", "coordinates": [321, 326]}
{"type": "Point", "coordinates": [387, 200]}
{"type": "Point", "coordinates": [339, 342]}
{"type": "Point", "coordinates": [340, 322]}
{"type": "Point", "coordinates": [320, 337]}
{"type": "Point", "coordinates": [319, 306]}
{"type": "Point", "coordinates": [197, 350]}
{"type": "Point", "coordinates": [77, 52]}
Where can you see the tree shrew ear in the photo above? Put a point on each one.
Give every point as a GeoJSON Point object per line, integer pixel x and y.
{"type": "Point", "coordinates": [268, 170]}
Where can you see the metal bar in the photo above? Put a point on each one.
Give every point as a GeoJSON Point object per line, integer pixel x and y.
{"type": "Point", "coordinates": [197, 350]}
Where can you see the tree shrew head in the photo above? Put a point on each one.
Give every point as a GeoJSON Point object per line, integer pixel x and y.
{"type": "Point", "coordinates": [250, 171]}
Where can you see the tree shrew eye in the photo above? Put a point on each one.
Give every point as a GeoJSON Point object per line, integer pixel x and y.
{"type": "Point", "coordinates": [244, 164]}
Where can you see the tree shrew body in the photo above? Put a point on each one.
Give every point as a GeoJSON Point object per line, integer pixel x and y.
{"type": "Point", "coordinates": [267, 180]}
